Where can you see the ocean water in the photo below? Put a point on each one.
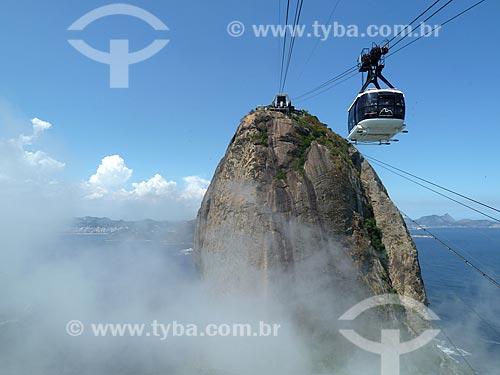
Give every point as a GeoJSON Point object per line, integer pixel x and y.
{"type": "Point", "coordinates": [468, 304]}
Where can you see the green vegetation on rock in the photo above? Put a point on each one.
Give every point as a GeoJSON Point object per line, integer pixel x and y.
{"type": "Point", "coordinates": [311, 129]}
{"type": "Point", "coordinates": [261, 137]}
{"type": "Point", "coordinates": [375, 235]}
{"type": "Point", "coordinates": [280, 176]}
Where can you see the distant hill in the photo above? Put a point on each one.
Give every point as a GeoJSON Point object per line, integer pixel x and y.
{"type": "Point", "coordinates": [171, 232]}
{"type": "Point", "coordinates": [446, 221]}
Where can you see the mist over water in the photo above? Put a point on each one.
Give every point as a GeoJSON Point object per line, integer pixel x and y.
{"type": "Point", "coordinates": [468, 305]}
{"type": "Point", "coordinates": [48, 279]}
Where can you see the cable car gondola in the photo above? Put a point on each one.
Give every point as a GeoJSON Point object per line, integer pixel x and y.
{"type": "Point", "coordinates": [376, 115]}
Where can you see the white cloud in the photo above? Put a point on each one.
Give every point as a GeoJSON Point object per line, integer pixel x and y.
{"type": "Point", "coordinates": [37, 159]}
{"type": "Point", "coordinates": [40, 126]}
{"type": "Point", "coordinates": [111, 174]}
{"type": "Point", "coordinates": [19, 161]}
{"type": "Point", "coordinates": [109, 192]}
{"type": "Point", "coordinates": [195, 189]}
{"type": "Point", "coordinates": [156, 186]}
{"type": "Point", "coordinates": [42, 160]}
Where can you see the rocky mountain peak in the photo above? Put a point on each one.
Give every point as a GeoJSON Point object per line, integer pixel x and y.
{"type": "Point", "coordinates": [296, 214]}
{"type": "Point", "coordinates": [287, 186]}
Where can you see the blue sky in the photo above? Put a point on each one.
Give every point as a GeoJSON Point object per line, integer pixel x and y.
{"type": "Point", "coordinates": [184, 104]}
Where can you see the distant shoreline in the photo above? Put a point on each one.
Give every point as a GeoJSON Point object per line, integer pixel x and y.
{"type": "Point", "coordinates": [446, 221]}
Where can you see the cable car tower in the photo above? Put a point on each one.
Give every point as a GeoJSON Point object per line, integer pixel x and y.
{"type": "Point", "coordinates": [376, 115]}
{"type": "Point", "coordinates": [283, 104]}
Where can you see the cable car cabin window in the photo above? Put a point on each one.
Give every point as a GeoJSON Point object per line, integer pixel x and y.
{"type": "Point", "coordinates": [370, 112]}
{"type": "Point", "coordinates": [352, 118]}
{"type": "Point", "coordinates": [399, 109]}
{"type": "Point", "coordinates": [399, 113]}
{"type": "Point", "coordinates": [366, 107]}
{"type": "Point", "coordinates": [368, 99]}
{"type": "Point", "coordinates": [380, 105]}
{"type": "Point", "coordinates": [386, 99]}
{"type": "Point", "coordinates": [386, 105]}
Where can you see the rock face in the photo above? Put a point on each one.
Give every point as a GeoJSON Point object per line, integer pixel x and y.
{"type": "Point", "coordinates": [296, 214]}
{"type": "Point", "coordinates": [289, 189]}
